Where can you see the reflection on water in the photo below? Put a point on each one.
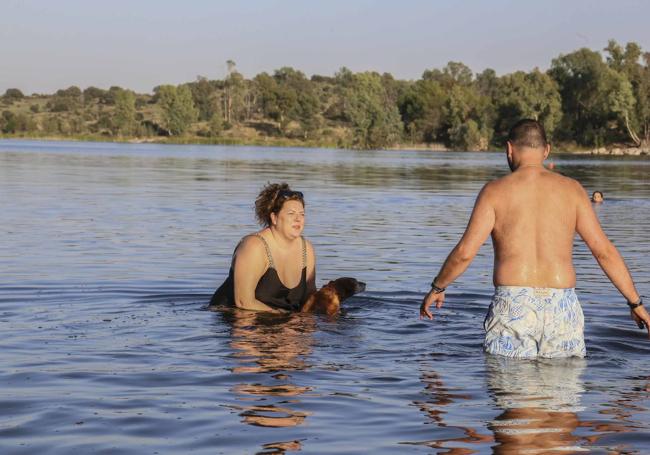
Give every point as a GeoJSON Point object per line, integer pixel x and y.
{"type": "Point", "coordinates": [552, 384]}
{"type": "Point", "coordinates": [538, 408]}
{"type": "Point", "coordinates": [440, 399]}
{"type": "Point", "coordinates": [540, 401]}
{"type": "Point", "coordinates": [624, 417]}
{"type": "Point", "coordinates": [110, 252]}
{"type": "Point", "coordinates": [276, 344]}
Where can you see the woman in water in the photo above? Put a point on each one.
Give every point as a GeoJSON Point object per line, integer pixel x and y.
{"type": "Point", "coordinates": [275, 268]}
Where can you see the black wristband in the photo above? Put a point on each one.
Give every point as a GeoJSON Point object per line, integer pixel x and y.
{"type": "Point", "coordinates": [635, 305]}
{"type": "Point", "coordinates": [436, 289]}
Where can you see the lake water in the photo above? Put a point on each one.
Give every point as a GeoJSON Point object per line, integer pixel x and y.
{"type": "Point", "coordinates": [109, 254]}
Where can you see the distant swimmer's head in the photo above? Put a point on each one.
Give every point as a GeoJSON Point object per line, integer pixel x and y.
{"type": "Point", "coordinates": [597, 197]}
{"type": "Point", "coordinates": [527, 143]}
{"type": "Point", "coordinates": [275, 197]}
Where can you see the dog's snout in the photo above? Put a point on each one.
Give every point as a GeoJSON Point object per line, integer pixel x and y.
{"type": "Point", "coordinates": [361, 286]}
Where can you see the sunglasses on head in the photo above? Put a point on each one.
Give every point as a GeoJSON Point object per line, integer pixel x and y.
{"type": "Point", "coordinates": [286, 194]}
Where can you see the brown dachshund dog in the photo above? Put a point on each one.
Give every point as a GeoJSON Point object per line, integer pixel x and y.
{"type": "Point", "coordinates": [328, 298]}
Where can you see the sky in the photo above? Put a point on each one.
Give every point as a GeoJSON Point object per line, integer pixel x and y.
{"type": "Point", "coordinates": [47, 45]}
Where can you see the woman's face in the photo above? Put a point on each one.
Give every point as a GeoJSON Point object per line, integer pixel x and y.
{"type": "Point", "coordinates": [290, 220]}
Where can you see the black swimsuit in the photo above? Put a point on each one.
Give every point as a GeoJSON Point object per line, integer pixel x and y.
{"type": "Point", "coordinates": [270, 290]}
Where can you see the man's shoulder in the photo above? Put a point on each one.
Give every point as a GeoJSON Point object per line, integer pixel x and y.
{"type": "Point", "coordinates": [512, 178]}
{"type": "Point", "coordinates": [566, 181]}
{"type": "Point", "coordinates": [511, 183]}
{"type": "Point", "coordinates": [497, 184]}
{"type": "Point", "coordinates": [491, 191]}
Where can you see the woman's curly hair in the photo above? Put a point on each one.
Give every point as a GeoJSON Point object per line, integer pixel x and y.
{"type": "Point", "coordinates": [272, 198]}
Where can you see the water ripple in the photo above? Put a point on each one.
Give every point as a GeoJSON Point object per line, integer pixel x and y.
{"type": "Point", "coordinates": [110, 254]}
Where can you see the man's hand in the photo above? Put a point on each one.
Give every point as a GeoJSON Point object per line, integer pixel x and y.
{"type": "Point", "coordinates": [641, 317]}
{"type": "Point", "coordinates": [429, 299]}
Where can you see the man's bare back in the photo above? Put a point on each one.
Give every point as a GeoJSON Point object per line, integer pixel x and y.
{"type": "Point", "coordinates": [533, 215]}
{"type": "Point", "coordinates": [534, 226]}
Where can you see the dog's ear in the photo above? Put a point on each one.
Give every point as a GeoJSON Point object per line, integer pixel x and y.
{"type": "Point", "coordinates": [332, 307]}
{"type": "Point", "coordinates": [325, 301]}
{"type": "Point", "coordinates": [345, 287]}
{"type": "Point", "coordinates": [309, 304]}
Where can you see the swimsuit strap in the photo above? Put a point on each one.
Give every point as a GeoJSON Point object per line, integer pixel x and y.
{"type": "Point", "coordinates": [304, 252]}
{"type": "Point", "coordinates": [268, 251]}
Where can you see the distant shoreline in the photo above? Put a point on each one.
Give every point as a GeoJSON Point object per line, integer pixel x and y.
{"type": "Point", "coordinates": [616, 151]}
{"type": "Point", "coordinates": [284, 142]}
{"type": "Point", "coordinates": [451, 108]}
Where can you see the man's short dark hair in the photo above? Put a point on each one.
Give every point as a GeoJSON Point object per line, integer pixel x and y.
{"type": "Point", "coordinates": [528, 133]}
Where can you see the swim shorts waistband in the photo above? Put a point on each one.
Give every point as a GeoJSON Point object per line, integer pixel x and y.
{"type": "Point", "coordinates": [537, 292]}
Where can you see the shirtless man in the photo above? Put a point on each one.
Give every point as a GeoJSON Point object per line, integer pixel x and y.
{"type": "Point", "coordinates": [533, 215]}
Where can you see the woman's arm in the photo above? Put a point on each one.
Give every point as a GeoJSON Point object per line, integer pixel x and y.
{"type": "Point", "coordinates": [311, 268]}
{"type": "Point", "coordinates": [250, 263]}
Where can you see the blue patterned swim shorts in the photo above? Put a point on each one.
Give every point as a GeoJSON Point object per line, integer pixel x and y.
{"type": "Point", "coordinates": [527, 322]}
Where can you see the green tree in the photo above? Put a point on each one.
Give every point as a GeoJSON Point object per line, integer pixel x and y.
{"type": "Point", "coordinates": [527, 95]}
{"type": "Point", "coordinates": [203, 95]}
{"type": "Point", "coordinates": [8, 122]}
{"type": "Point", "coordinates": [466, 123]}
{"type": "Point", "coordinates": [267, 88]}
{"type": "Point", "coordinates": [67, 99]}
{"type": "Point", "coordinates": [289, 96]}
{"type": "Point", "coordinates": [622, 103]}
{"type": "Point", "coordinates": [585, 84]}
{"type": "Point", "coordinates": [376, 122]}
{"type": "Point", "coordinates": [286, 98]}
{"type": "Point", "coordinates": [467, 136]}
{"type": "Point", "coordinates": [461, 134]}
{"type": "Point", "coordinates": [297, 100]}
{"type": "Point", "coordinates": [234, 91]}
{"type": "Point", "coordinates": [422, 107]}
{"type": "Point", "coordinates": [13, 94]}
{"type": "Point", "coordinates": [466, 118]}
{"type": "Point", "coordinates": [628, 62]}
{"type": "Point", "coordinates": [216, 124]}
{"type": "Point", "coordinates": [454, 73]}
{"type": "Point", "coordinates": [487, 83]}
{"type": "Point", "coordinates": [124, 122]}
{"type": "Point", "coordinates": [643, 102]}
{"type": "Point", "coordinates": [11, 123]}
{"type": "Point", "coordinates": [93, 94]}
{"type": "Point", "coordinates": [178, 109]}
{"type": "Point", "coordinates": [73, 92]}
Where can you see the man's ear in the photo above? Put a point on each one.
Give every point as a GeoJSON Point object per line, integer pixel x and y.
{"type": "Point", "coordinates": [509, 150]}
{"type": "Point", "coordinates": [547, 150]}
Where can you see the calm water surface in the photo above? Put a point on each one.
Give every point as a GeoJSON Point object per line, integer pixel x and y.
{"type": "Point", "coordinates": [109, 254]}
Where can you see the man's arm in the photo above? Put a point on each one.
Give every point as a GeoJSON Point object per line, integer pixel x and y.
{"type": "Point", "coordinates": [608, 257]}
{"type": "Point", "coordinates": [478, 229]}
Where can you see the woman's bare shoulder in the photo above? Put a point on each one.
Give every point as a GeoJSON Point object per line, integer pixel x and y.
{"type": "Point", "coordinates": [251, 243]}
{"type": "Point", "coordinates": [309, 245]}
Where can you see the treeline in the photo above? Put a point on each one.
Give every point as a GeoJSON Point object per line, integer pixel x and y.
{"type": "Point", "coordinates": [585, 100]}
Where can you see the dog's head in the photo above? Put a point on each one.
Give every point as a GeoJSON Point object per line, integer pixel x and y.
{"type": "Point", "coordinates": [346, 287]}
{"type": "Point", "coordinates": [328, 299]}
